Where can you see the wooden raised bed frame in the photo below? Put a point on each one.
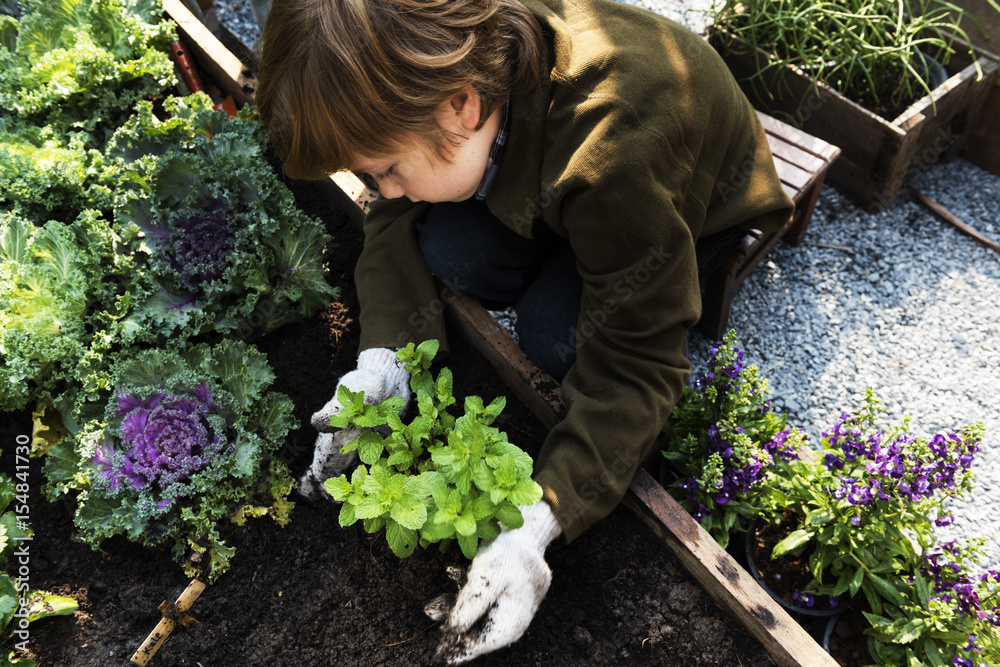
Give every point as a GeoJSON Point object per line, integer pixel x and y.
{"type": "Point", "coordinates": [878, 155]}
{"type": "Point", "coordinates": [724, 579]}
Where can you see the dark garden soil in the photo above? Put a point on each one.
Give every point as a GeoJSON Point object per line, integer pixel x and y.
{"type": "Point", "coordinates": [313, 593]}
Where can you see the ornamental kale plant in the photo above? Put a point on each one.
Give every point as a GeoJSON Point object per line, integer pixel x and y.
{"type": "Point", "coordinates": [868, 502]}
{"type": "Point", "coordinates": [81, 65]}
{"type": "Point", "coordinates": [223, 248]}
{"type": "Point", "coordinates": [950, 614]}
{"type": "Point", "coordinates": [184, 441]}
{"type": "Point", "coordinates": [56, 285]}
{"type": "Point", "coordinates": [45, 174]}
{"type": "Point", "coordinates": [436, 478]}
{"type": "Point", "coordinates": [723, 439]}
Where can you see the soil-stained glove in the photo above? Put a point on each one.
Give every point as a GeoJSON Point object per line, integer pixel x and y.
{"type": "Point", "coordinates": [507, 581]}
{"type": "Point", "coordinates": [381, 377]}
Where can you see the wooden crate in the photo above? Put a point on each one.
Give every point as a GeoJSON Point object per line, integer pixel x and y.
{"type": "Point", "coordinates": [983, 147]}
{"type": "Point", "coordinates": [877, 155]}
{"type": "Point", "coordinates": [802, 162]}
{"type": "Point", "coordinates": [724, 579]}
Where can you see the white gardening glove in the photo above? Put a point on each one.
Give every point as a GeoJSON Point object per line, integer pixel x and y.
{"type": "Point", "coordinates": [506, 582]}
{"type": "Point", "coordinates": [381, 377]}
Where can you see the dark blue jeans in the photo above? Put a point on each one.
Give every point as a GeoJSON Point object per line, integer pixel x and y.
{"type": "Point", "coordinates": [469, 249]}
{"type": "Point", "coordinates": [466, 247]}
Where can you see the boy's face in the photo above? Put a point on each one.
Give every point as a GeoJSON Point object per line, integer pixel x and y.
{"type": "Point", "coordinates": [417, 172]}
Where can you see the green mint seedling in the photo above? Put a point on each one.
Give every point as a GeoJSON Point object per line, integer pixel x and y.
{"type": "Point", "coordinates": [437, 478]}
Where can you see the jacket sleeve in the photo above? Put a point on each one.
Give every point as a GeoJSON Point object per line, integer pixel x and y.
{"type": "Point", "coordinates": [640, 294]}
{"type": "Point", "coordinates": [398, 295]}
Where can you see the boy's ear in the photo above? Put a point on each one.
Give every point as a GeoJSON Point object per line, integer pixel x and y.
{"type": "Point", "coordinates": [466, 107]}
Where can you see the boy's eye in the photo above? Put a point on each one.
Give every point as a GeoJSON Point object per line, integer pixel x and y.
{"type": "Point", "coordinates": [385, 174]}
{"type": "Point", "coordinates": [367, 179]}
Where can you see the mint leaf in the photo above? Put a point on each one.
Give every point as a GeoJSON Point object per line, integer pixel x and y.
{"type": "Point", "coordinates": [402, 540]}
{"type": "Point", "coordinates": [369, 446]}
{"type": "Point", "coordinates": [468, 544]}
{"type": "Point", "coordinates": [347, 515]}
{"type": "Point", "coordinates": [409, 511]}
{"type": "Point", "coordinates": [338, 487]}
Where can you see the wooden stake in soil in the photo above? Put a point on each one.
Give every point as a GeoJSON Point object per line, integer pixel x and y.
{"type": "Point", "coordinates": [172, 615]}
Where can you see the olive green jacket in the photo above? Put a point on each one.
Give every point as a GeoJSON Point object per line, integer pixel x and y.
{"type": "Point", "coordinates": [636, 143]}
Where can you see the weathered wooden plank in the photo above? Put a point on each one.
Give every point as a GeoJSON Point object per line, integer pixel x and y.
{"type": "Point", "coordinates": [785, 132]}
{"type": "Point", "coordinates": [781, 148]}
{"type": "Point", "coordinates": [732, 587]}
{"type": "Point", "coordinates": [950, 97]}
{"type": "Point", "coordinates": [792, 174]}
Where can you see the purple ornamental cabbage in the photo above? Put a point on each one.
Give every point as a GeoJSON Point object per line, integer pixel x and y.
{"type": "Point", "coordinates": [200, 243]}
{"type": "Point", "coordinates": [164, 439]}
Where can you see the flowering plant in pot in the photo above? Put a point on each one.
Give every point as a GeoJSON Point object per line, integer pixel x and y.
{"type": "Point", "coordinates": [864, 509]}
{"type": "Point", "coordinates": [722, 439]}
{"type": "Point", "coordinates": [950, 613]}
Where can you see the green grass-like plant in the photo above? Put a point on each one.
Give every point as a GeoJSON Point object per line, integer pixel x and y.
{"type": "Point", "coordinates": [867, 50]}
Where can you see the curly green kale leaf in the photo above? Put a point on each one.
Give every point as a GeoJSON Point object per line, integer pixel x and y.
{"type": "Point", "coordinates": [49, 175]}
{"type": "Point", "coordinates": [54, 289]}
{"type": "Point", "coordinates": [83, 64]}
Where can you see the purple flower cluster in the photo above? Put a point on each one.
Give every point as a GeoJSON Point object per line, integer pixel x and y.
{"type": "Point", "coordinates": [953, 585]}
{"type": "Point", "coordinates": [164, 440]}
{"type": "Point", "coordinates": [689, 485]}
{"type": "Point", "coordinates": [741, 470]}
{"type": "Point", "coordinates": [781, 449]}
{"type": "Point", "coordinates": [726, 364]}
{"type": "Point", "coordinates": [736, 465]}
{"type": "Point", "coordinates": [900, 468]}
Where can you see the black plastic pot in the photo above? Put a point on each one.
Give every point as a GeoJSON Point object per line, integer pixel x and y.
{"type": "Point", "coordinates": [788, 606]}
{"type": "Point", "coordinates": [831, 627]}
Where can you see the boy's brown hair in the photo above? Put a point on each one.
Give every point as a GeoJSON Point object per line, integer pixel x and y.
{"type": "Point", "coordinates": [345, 77]}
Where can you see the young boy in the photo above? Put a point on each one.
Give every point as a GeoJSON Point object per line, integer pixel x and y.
{"type": "Point", "coordinates": [562, 155]}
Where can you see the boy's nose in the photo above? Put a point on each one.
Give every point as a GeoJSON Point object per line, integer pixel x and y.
{"type": "Point", "coordinates": [390, 189]}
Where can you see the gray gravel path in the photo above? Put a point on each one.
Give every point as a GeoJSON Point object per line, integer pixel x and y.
{"type": "Point", "coordinates": [899, 301]}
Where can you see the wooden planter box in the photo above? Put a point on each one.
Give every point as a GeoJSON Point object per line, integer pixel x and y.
{"type": "Point", "coordinates": [983, 148]}
{"type": "Point", "coordinates": [877, 155]}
